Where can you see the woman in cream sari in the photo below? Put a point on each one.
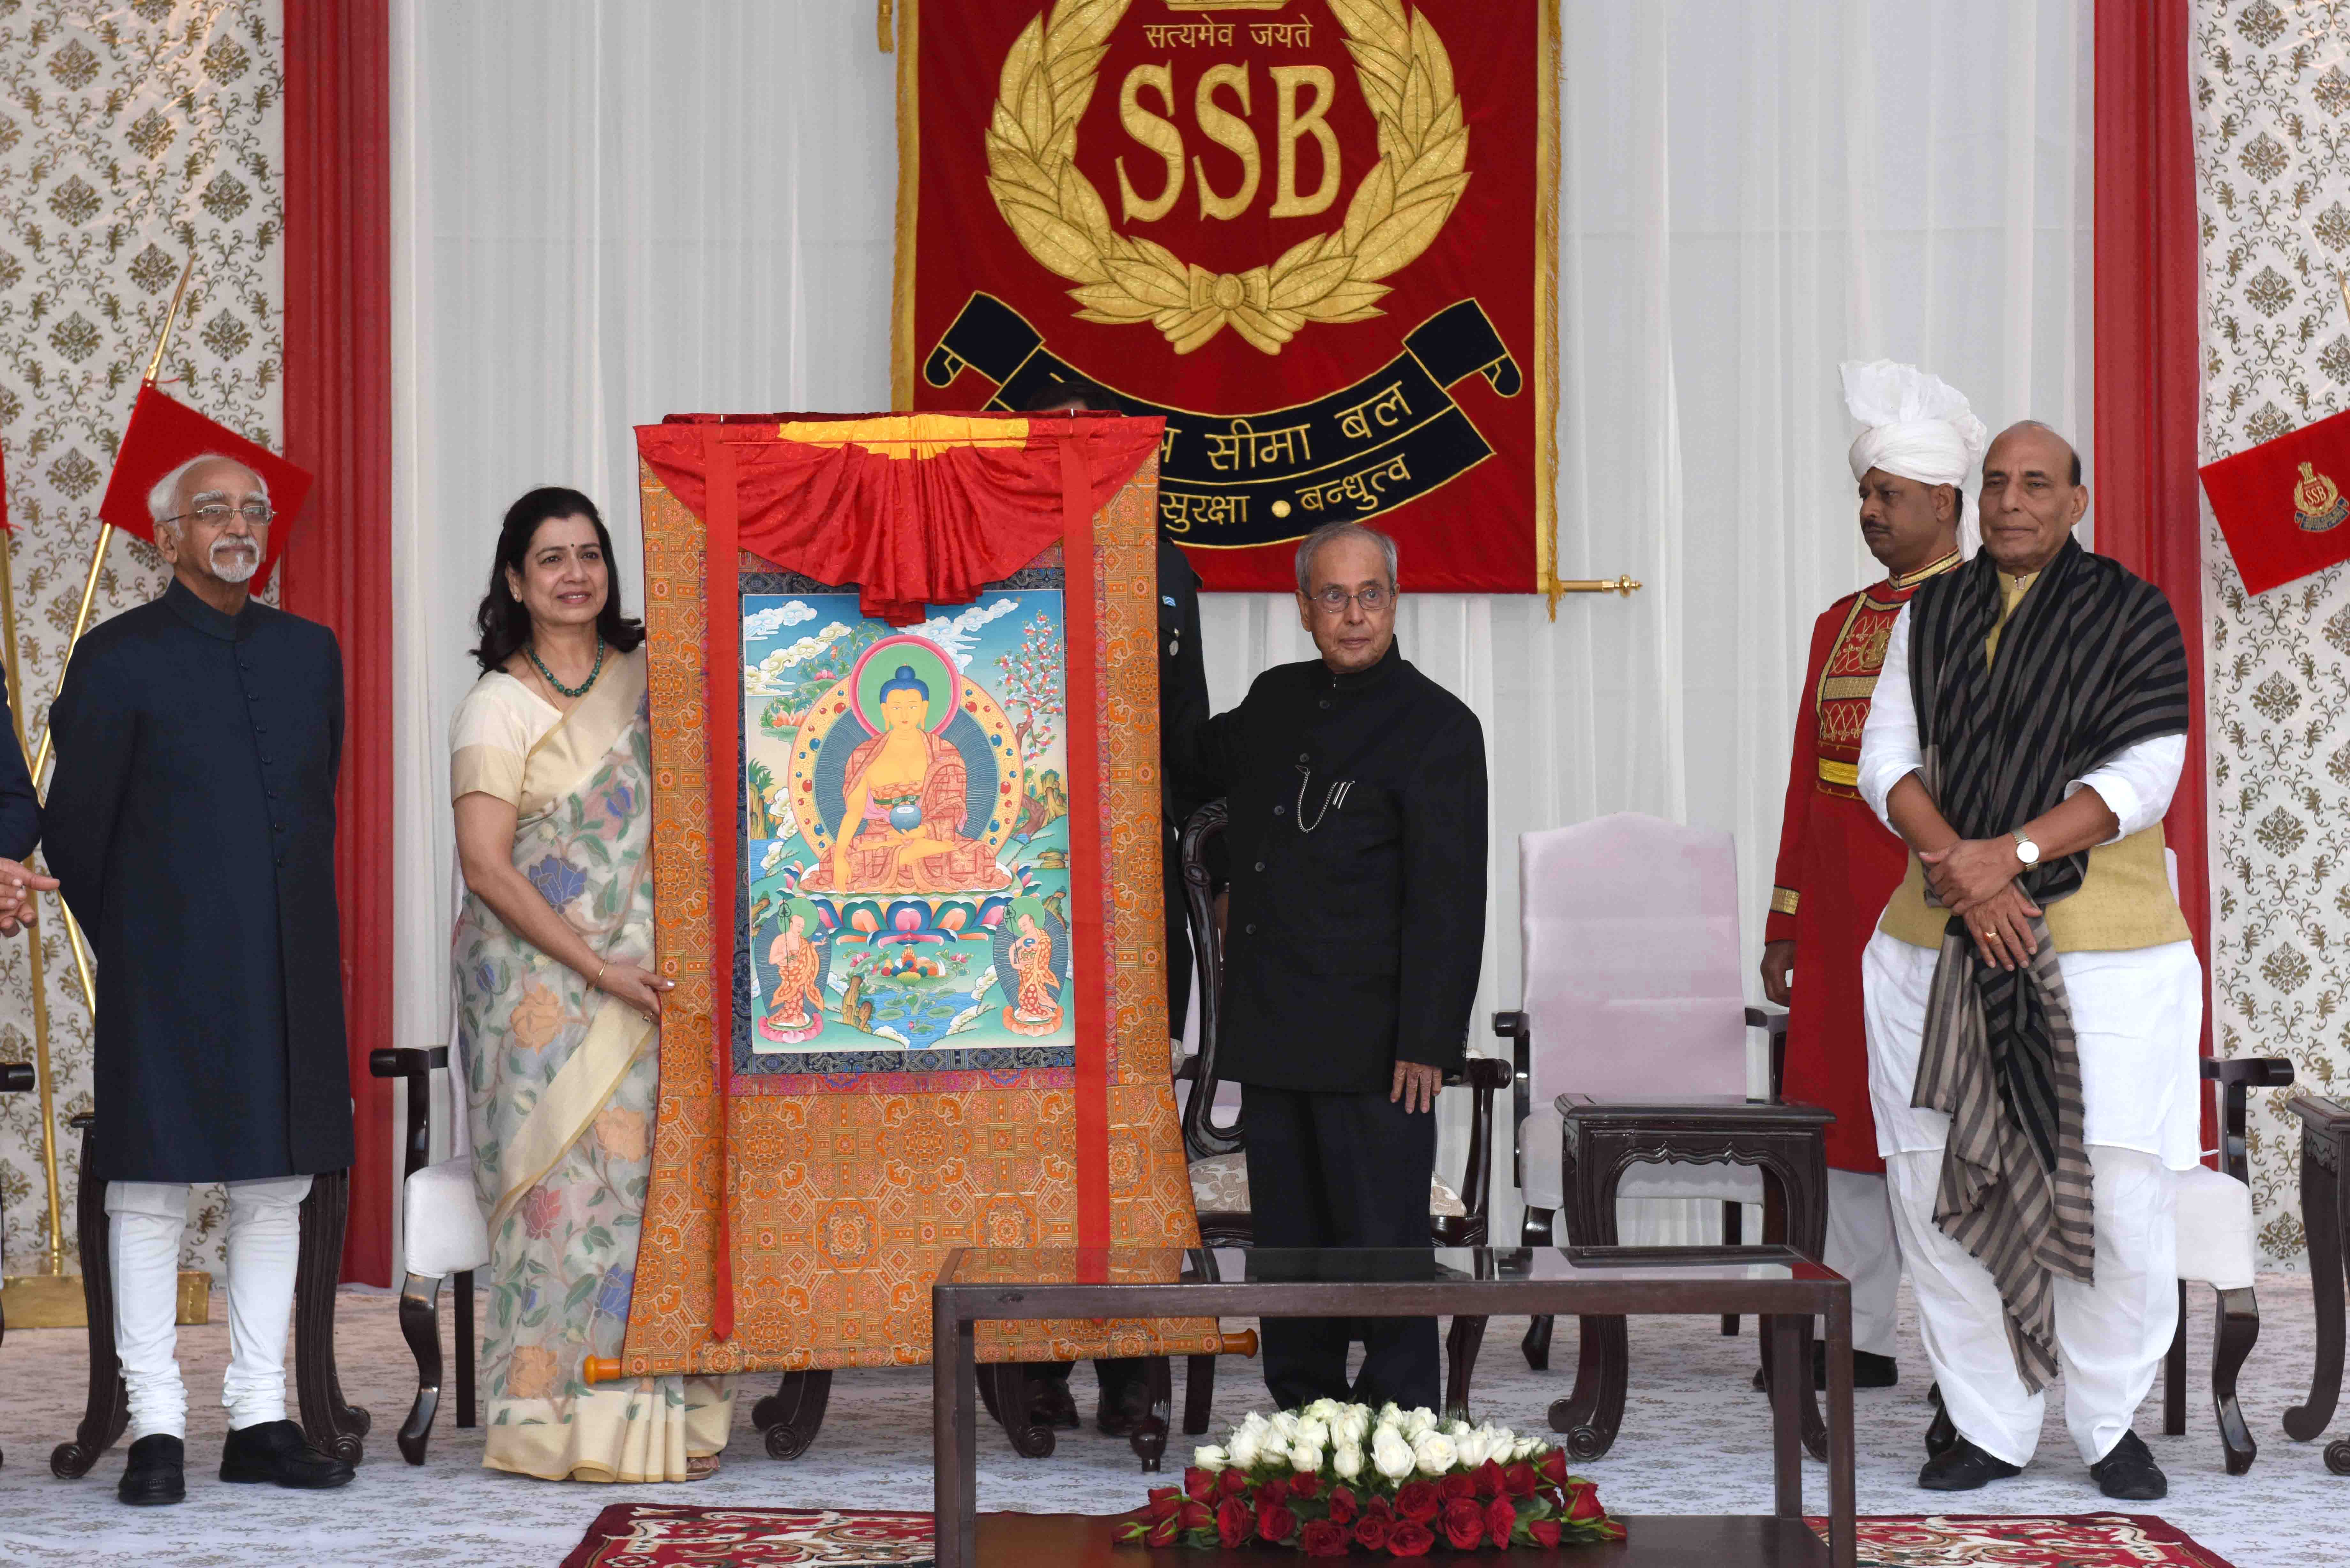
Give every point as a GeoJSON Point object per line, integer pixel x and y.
{"type": "Point", "coordinates": [549, 765]}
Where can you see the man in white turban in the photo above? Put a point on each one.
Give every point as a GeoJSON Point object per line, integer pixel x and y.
{"type": "Point", "coordinates": [1837, 865]}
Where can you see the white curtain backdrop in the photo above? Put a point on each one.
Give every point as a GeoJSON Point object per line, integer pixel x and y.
{"type": "Point", "coordinates": [607, 212]}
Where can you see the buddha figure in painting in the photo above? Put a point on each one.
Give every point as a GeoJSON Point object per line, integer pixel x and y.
{"type": "Point", "coordinates": [904, 802]}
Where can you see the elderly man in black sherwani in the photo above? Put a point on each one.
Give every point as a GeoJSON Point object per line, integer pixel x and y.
{"type": "Point", "coordinates": [191, 823]}
{"type": "Point", "coordinates": [1356, 792]}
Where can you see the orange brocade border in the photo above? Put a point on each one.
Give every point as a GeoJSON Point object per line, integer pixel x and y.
{"type": "Point", "coordinates": [843, 1204]}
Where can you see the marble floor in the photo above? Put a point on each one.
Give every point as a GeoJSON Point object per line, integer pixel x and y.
{"type": "Point", "coordinates": [1695, 1440]}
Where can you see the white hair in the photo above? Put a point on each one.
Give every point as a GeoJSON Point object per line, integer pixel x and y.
{"type": "Point", "coordinates": [165, 494]}
{"type": "Point", "coordinates": [1331, 533]}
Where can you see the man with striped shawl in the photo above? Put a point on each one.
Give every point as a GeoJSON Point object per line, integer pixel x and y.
{"type": "Point", "coordinates": [2032, 999]}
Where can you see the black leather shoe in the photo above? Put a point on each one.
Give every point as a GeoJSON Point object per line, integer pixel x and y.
{"type": "Point", "coordinates": [1963, 1466]}
{"type": "Point", "coordinates": [2128, 1471]}
{"type": "Point", "coordinates": [157, 1472]}
{"type": "Point", "coordinates": [275, 1452]}
{"type": "Point", "coordinates": [1050, 1403]}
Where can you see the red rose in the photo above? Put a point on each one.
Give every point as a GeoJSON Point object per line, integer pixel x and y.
{"type": "Point", "coordinates": [1520, 1480]}
{"type": "Point", "coordinates": [1419, 1501]}
{"type": "Point", "coordinates": [1376, 1504]}
{"type": "Point", "coordinates": [1464, 1524]}
{"type": "Point", "coordinates": [1325, 1538]}
{"type": "Point", "coordinates": [1501, 1520]}
{"type": "Point", "coordinates": [1371, 1532]}
{"type": "Point", "coordinates": [1163, 1533]}
{"type": "Point", "coordinates": [1166, 1503]}
{"type": "Point", "coordinates": [1546, 1531]}
{"type": "Point", "coordinates": [1276, 1523]}
{"type": "Point", "coordinates": [1232, 1483]}
{"type": "Point", "coordinates": [1409, 1540]}
{"type": "Point", "coordinates": [1458, 1484]}
{"type": "Point", "coordinates": [1199, 1484]}
{"type": "Point", "coordinates": [1196, 1515]}
{"type": "Point", "coordinates": [1305, 1484]}
{"type": "Point", "coordinates": [1554, 1466]}
{"type": "Point", "coordinates": [1583, 1502]}
{"type": "Point", "coordinates": [1273, 1492]}
{"type": "Point", "coordinates": [1234, 1522]}
{"type": "Point", "coordinates": [1342, 1505]}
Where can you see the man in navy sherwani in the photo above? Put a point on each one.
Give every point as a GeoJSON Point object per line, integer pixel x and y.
{"type": "Point", "coordinates": [191, 823]}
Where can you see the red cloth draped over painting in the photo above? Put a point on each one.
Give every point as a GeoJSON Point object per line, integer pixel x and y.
{"type": "Point", "coordinates": [836, 512]}
{"type": "Point", "coordinates": [1837, 866]}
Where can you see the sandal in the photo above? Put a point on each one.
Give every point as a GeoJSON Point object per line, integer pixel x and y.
{"type": "Point", "coordinates": [701, 1467]}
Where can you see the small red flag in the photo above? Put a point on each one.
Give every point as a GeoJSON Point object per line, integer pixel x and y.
{"type": "Point", "coordinates": [164, 433]}
{"type": "Point", "coordinates": [2283, 504]}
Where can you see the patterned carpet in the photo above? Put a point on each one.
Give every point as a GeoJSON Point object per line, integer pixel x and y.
{"type": "Point", "coordinates": [1695, 1440]}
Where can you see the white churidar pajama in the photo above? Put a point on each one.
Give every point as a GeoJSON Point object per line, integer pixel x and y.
{"type": "Point", "coordinates": [1861, 1247]}
{"type": "Point", "coordinates": [264, 1237]}
{"type": "Point", "coordinates": [2138, 1016]}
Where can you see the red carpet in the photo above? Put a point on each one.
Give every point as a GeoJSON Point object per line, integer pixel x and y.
{"type": "Point", "coordinates": [640, 1535]}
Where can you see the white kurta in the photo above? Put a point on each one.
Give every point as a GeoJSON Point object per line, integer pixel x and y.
{"type": "Point", "coordinates": [2138, 1017]}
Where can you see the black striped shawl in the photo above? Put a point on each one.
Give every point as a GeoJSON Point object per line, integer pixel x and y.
{"type": "Point", "coordinates": [2091, 663]}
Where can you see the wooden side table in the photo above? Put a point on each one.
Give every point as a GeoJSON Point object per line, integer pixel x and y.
{"type": "Point", "coordinates": [1606, 1138]}
{"type": "Point", "coordinates": [2325, 1221]}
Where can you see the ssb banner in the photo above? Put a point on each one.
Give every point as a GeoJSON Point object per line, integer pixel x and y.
{"type": "Point", "coordinates": [1318, 237]}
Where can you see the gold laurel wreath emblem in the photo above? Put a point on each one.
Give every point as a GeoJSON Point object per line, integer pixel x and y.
{"type": "Point", "coordinates": [1396, 211]}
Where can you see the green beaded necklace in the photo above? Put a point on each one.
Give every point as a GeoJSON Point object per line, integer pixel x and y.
{"type": "Point", "coordinates": [575, 692]}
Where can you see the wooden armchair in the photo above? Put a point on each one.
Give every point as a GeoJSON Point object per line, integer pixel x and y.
{"type": "Point", "coordinates": [1630, 1064]}
{"type": "Point", "coordinates": [1457, 1216]}
{"type": "Point", "coordinates": [420, 1295]}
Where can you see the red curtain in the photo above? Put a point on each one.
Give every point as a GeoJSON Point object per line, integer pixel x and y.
{"type": "Point", "coordinates": [338, 570]}
{"type": "Point", "coordinates": [2148, 511]}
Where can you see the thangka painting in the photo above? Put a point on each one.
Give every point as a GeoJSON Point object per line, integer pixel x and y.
{"type": "Point", "coordinates": [907, 867]}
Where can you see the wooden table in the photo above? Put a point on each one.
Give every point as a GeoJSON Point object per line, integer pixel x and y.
{"type": "Point", "coordinates": [1777, 1284]}
{"type": "Point", "coordinates": [2326, 1221]}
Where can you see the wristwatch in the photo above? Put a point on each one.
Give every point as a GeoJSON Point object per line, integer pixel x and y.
{"type": "Point", "coordinates": [2025, 850]}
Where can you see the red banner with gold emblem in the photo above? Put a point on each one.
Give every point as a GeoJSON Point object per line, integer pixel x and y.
{"type": "Point", "coordinates": [2279, 506]}
{"type": "Point", "coordinates": [1317, 236]}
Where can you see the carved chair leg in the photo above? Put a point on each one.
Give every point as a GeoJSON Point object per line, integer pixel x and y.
{"type": "Point", "coordinates": [1003, 1388]}
{"type": "Point", "coordinates": [330, 1424]}
{"type": "Point", "coordinates": [2321, 1219]}
{"type": "Point", "coordinates": [789, 1418]}
{"type": "Point", "coordinates": [107, 1413]}
{"type": "Point", "coordinates": [2236, 1330]}
{"type": "Point", "coordinates": [1593, 1412]}
{"type": "Point", "coordinates": [467, 1345]}
{"type": "Point", "coordinates": [2174, 1374]}
{"type": "Point", "coordinates": [1199, 1394]}
{"type": "Point", "coordinates": [1462, 1343]}
{"type": "Point", "coordinates": [1149, 1439]}
{"type": "Point", "coordinates": [1534, 1231]}
{"type": "Point", "coordinates": [419, 1325]}
{"type": "Point", "coordinates": [1536, 1344]}
{"type": "Point", "coordinates": [1734, 1234]}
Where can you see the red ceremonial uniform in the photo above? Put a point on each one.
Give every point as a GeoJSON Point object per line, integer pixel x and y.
{"type": "Point", "coordinates": [1837, 865]}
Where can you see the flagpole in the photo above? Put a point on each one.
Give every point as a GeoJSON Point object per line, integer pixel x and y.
{"type": "Point", "coordinates": [33, 935]}
{"type": "Point", "coordinates": [106, 530]}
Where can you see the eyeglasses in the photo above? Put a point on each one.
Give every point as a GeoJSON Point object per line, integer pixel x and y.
{"type": "Point", "coordinates": [1335, 600]}
{"type": "Point", "coordinates": [216, 515]}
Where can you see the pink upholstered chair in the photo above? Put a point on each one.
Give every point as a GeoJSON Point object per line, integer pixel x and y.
{"type": "Point", "coordinates": [1634, 1013]}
